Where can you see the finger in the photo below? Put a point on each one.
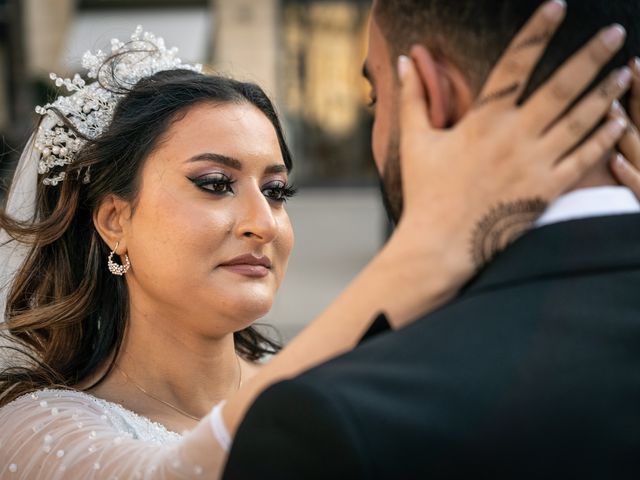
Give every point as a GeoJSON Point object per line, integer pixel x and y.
{"type": "Point", "coordinates": [555, 96]}
{"type": "Point", "coordinates": [617, 111]}
{"type": "Point", "coordinates": [576, 165]}
{"type": "Point", "coordinates": [626, 173]}
{"type": "Point", "coordinates": [634, 103]}
{"type": "Point", "coordinates": [510, 75]}
{"type": "Point", "coordinates": [414, 112]}
{"type": "Point", "coordinates": [629, 144]}
{"type": "Point", "coordinates": [581, 119]}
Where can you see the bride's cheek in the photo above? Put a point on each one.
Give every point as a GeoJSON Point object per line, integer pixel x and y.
{"type": "Point", "coordinates": [284, 244]}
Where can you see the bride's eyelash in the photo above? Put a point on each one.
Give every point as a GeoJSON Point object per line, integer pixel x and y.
{"type": "Point", "coordinates": [221, 184]}
{"type": "Point", "coordinates": [283, 192]}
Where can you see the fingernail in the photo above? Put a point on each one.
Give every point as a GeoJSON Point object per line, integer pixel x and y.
{"type": "Point", "coordinates": [636, 65]}
{"type": "Point", "coordinates": [624, 77]}
{"type": "Point", "coordinates": [618, 126]}
{"type": "Point", "coordinates": [620, 161]}
{"type": "Point", "coordinates": [617, 108]}
{"type": "Point", "coordinates": [554, 9]}
{"type": "Point", "coordinates": [403, 66]}
{"type": "Point", "coordinates": [614, 36]}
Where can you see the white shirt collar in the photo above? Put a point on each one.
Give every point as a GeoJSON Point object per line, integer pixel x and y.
{"type": "Point", "coordinates": [590, 202]}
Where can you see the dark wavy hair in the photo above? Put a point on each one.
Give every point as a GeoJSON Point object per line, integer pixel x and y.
{"type": "Point", "coordinates": [66, 315]}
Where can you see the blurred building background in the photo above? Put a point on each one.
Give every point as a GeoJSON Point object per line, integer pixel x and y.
{"type": "Point", "coordinates": [307, 54]}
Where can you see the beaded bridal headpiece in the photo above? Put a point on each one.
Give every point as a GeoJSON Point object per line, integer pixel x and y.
{"type": "Point", "coordinates": [89, 108]}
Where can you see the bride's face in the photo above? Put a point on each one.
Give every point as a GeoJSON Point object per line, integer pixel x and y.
{"type": "Point", "coordinates": [209, 237]}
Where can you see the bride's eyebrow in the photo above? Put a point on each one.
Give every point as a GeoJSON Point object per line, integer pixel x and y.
{"type": "Point", "coordinates": [217, 158]}
{"type": "Point", "coordinates": [234, 162]}
{"type": "Point", "coordinates": [277, 168]}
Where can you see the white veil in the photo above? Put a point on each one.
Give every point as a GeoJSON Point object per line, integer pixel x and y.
{"type": "Point", "coordinates": [20, 205]}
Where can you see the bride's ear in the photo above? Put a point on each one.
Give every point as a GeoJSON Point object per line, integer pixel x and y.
{"type": "Point", "coordinates": [447, 91]}
{"type": "Point", "coordinates": [111, 219]}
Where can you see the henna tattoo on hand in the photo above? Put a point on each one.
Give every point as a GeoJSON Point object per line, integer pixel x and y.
{"type": "Point", "coordinates": [492, 97]}
{"type": "Point", "coordinates": [608, 88]}
{"type": "Point", "coordinates": [533, 41]}
{"type": "Point", "coordinates": [501, 226]}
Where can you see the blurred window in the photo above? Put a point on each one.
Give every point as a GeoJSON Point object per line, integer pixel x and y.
{"type": "Point", "coordinates": [91, 4]}
{"type": "Point", "coordinates": [16, 106]}
{"type": "Point", "coordinates": [324, 96]}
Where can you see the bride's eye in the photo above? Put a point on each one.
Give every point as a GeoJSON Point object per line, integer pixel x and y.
{"type": "Point", "coordinates": [278, 191]}
{"type": "Point", "coordinates": [217, 184]}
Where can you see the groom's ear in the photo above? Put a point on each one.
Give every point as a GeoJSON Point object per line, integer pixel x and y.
{"type": "Point", "coordinates": [111, 219]}
{"type": "Point", "coordinates": [446, 89]}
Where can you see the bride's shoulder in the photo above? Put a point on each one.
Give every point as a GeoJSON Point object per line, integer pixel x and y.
{"type": "Point", "coordinates": [44, 411]}
{"type": "Point", "coordinates": [43, 430]}
{"type": "Point", "coordinates": [51, 402]}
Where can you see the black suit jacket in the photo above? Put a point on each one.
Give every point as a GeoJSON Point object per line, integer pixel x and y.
{"type": "Point", "coordinates": [532, 372]}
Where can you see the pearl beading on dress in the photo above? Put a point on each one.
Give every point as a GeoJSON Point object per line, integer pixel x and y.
{"type": "Point", "coordinates": [89, 108]}
{"type": "Point", "coordinates": [116, 426]}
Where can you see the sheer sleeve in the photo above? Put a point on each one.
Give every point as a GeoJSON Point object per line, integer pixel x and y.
{"type": "Point", "coordinates": [59, 437]}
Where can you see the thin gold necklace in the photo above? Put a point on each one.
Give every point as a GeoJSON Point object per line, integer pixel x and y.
{"type": "Point", "coordinates": [188, 415]}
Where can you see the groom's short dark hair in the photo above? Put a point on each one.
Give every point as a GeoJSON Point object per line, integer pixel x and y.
{"type": "Point", "coordinates": [473, 33]}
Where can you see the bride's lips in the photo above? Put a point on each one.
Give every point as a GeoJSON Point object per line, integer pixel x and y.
{"type": "Point", "coordinates": [249, 266]}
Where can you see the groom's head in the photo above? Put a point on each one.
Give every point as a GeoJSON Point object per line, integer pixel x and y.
{"type": "Point", "coordinates": [463, 40]}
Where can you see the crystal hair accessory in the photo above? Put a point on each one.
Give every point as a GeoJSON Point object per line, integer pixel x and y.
{"type": "Point", "coordinates": [89, 108]}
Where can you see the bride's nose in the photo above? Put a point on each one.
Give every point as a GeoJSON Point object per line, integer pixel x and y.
{"type": "Point", "coordinates": [256, 218]}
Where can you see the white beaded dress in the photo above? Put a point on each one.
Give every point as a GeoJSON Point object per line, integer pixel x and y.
{"type": "Point", "coordinates": [62, 434]}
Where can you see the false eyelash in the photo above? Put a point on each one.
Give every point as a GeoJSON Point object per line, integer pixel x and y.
{"type": "Point", "coordinates": [287, 191]}
{"type": "Point", "coordinates": [202, 182]}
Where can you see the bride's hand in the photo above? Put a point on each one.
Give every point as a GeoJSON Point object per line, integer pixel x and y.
{"type": "Point", "coordinates": [478, 186]}
{"type": "Point", "coordinates": [626, 163]}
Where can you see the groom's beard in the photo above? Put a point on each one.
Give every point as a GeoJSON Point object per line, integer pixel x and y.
{"type": "Point", "coordinates": [391, 182]}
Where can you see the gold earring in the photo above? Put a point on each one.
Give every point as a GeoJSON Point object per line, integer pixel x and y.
{"type": "Point", "coordinates": [116, 269]}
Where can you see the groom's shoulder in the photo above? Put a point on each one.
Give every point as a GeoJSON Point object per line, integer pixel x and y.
{"type": "Point", "coordinates": [568, 275]}
{"type": "Point", "coordinates": [548, 328]}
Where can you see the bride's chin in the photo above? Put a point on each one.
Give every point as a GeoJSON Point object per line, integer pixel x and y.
{"type": "Point", "coordinates": [249, 312]}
